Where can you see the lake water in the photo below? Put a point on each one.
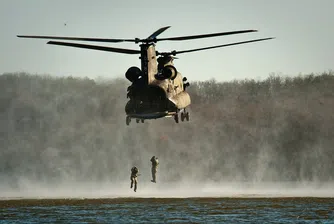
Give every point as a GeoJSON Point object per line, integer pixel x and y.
{"type": "Point", "coordinates": [168, 205]}
{"type": "Point", "coordinates": [169, 210]}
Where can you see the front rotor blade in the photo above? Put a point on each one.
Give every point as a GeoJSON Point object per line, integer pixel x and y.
{"type": "Point", "coordinates": [93, 47]}
{"type": "Point", "coordinates": [224, 45]}
{"type": "Point", "coordinates": [207, 35]}
{"type": "Point", "coordinates": [158, 32]}
{"type": "Point", "coordinates": [80, 39]}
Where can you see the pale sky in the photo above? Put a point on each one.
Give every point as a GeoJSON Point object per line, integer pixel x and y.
{"type": "Point", "coordinates": [304, 31]}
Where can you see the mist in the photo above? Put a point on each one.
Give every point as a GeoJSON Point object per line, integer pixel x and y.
{"type": "Point", "coordinates": [67, 137]}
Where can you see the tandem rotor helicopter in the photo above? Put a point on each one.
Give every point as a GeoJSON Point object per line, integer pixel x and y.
{"type": "Point", "coordinates": [158, 89]}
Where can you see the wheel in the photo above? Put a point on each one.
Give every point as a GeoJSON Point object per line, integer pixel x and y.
{"type": "Point", "coordinates": [137, 120]}
{"type": "Point", "coordinates": [187, 116]}
{"type": "Point", "coordinates": [128, 120]}
{"type": "Point", "coordinates": [176, 118]}
{"type": "Point", "coordinates": [142, 120]}
{"type": "Point", "coordinates": [182, 116]}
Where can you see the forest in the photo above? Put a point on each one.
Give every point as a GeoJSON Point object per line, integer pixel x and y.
{"type": "Point", "coordinates": [55, 129]}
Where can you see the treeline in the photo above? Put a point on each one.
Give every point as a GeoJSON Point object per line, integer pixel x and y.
{"type": "Point", "coordinates": [55, 129]}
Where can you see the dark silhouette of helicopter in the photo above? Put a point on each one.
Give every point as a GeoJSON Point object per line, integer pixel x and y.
{"type": "Point", "coordinates": [158, 89]}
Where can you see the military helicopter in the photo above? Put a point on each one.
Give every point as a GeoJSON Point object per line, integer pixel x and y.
{"type": "Point", "coordinates": [158, 89]}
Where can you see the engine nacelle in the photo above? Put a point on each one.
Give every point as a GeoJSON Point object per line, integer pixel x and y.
{"type": "Point", "coordinates": [133, 74]}
{"type": "Point", "coordinates": [168, 72]}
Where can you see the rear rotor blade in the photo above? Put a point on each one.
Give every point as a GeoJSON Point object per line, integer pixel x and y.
{"type": "Point", "coordinates": [80, 38]}
{"type": "Point", "coordinates": [158, 32]}
{"type": "Point", "coordinates": [206, 48]}
{"type": "Point", "coordinates": [206, 35]}
{"type": "Point", "coordinates": [94, 47]}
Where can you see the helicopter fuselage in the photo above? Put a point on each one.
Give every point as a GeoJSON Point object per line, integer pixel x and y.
{"type": "Point", "coordinates": [157, 89]}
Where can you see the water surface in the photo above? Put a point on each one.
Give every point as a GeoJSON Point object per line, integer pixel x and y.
{"type": "Point", "coordinates": [169, 210]}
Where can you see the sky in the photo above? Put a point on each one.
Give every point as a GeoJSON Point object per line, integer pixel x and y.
{"type": "Point", "coordinates": [303, 31]}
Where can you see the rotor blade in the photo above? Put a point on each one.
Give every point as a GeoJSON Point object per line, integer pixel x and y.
{"type": "Point", "coordinates": [207, 35]}
{"type": "Point", "coordinates": [93, 47]}
{"type": "Point", "coordinates": [80, 38]}
{"type": "Point", "coordinates": [224, 45]}
{"type": "Point", "coordinates": [158, 32]}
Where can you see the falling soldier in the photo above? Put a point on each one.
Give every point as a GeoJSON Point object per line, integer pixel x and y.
{"type": "Point", "coordinates": [155, 164]}
{"type": "Point", "coordinates": [133, 177]}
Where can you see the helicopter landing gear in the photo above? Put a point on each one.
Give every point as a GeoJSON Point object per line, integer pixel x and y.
{"type": "Point", "coordinates": [184, 115]}
{"type": "Point", "coordinates": [128, 120]}
{"type": "Point", "coordinates": [176, 118]}
{"type": "Point", "coordinates": [138, 120]}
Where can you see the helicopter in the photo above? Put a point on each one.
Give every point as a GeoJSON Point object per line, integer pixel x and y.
{"type": "Point", "coordinates": [157, 89]}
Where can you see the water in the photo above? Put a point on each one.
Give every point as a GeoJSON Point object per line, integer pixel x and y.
{"type": "Point", "coordinates": [169, 210]}
{"type": "Point", "coordinates": [169, 203]}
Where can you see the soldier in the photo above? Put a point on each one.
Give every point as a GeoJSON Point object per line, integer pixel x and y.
{"type": "Point", "coordinates": [133, 177]}
{"type": "Point", "coordinates": [155, 164]}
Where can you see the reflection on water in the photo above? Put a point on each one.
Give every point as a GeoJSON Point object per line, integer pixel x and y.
{"type": "Point", "coordinates": [162, 210]}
